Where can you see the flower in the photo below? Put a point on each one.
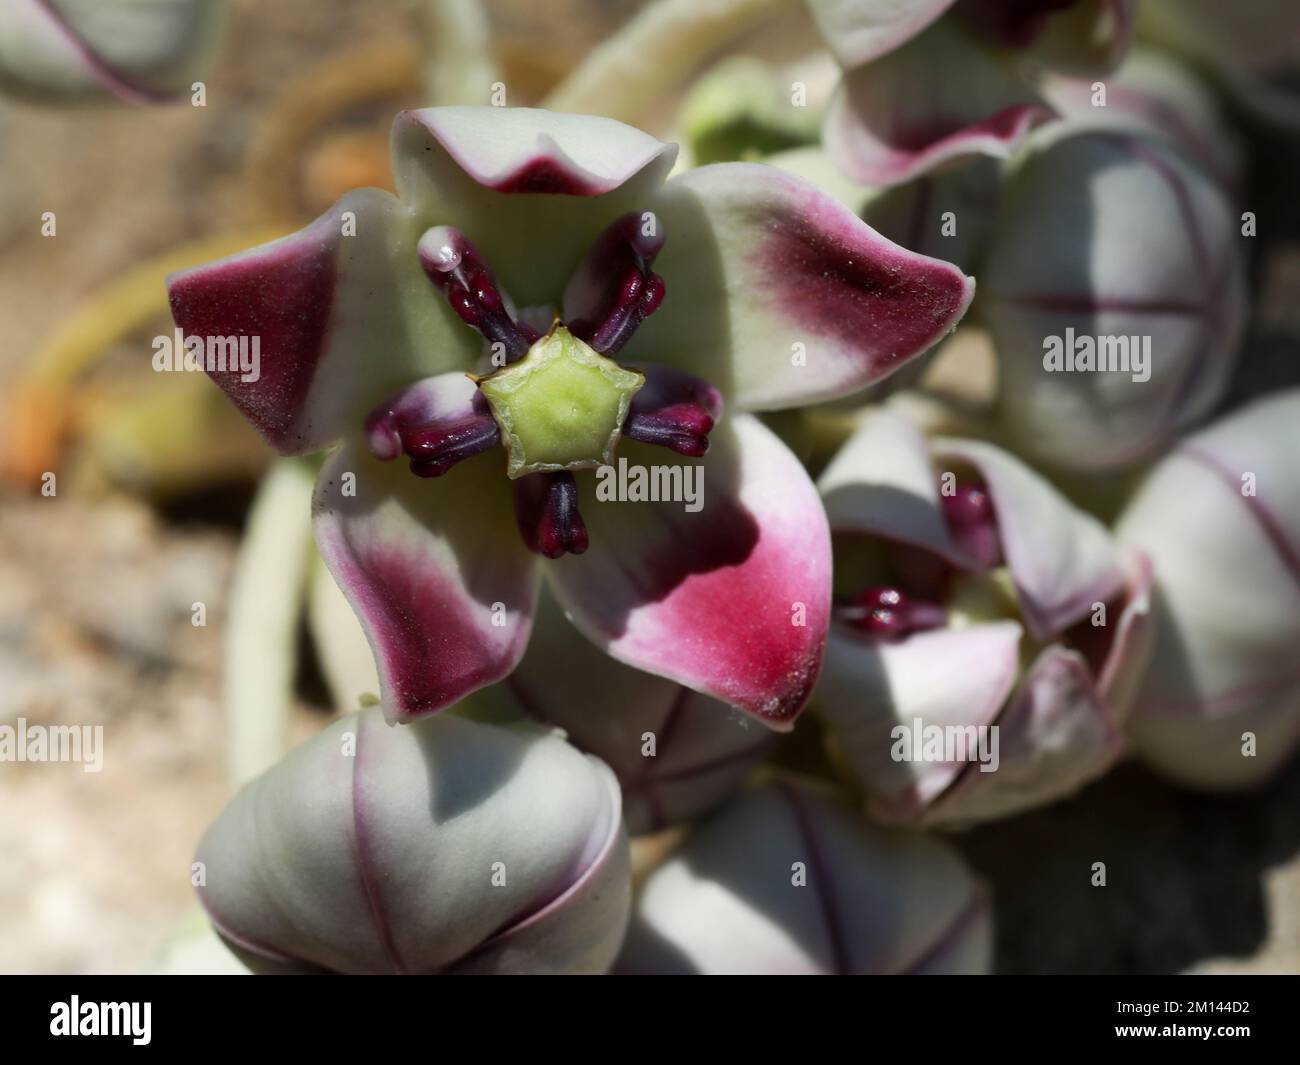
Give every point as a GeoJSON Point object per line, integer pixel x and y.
{"type": "Point", "coordinates": [137, 51]}
{"type": "Point", "coordinates": [448, 846]}
{"type": "Point", "coordinates": [894, 119]}
{"type": "Point", "coordinates": [483, 309]}
{"type": "Point", "coordinates": [1219, 706]}
{"type": "Point", "coordinates": [971, 595]}
{"type": "Point", "coordinates": [784, 880]}
{"type": "Point", "coordinates": [1114, 290]}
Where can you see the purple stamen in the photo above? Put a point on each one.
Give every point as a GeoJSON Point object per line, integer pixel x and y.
{"type": "Point", "coordinates": [890, 614]}
{"type": "Point", "coordinates": [455, 266]}
{"type": "Point", "coordinates": [434, 440]}
{"type": "Point", "coordinates": [674, 410]}
{"type": "Point", "coordinates": [546, 509]}
{"type": "Point", "coordinates": [973, 523]}
{"type": "Point", "coordinates": [605, 315]}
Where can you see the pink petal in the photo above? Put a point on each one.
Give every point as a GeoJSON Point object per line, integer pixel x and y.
{"type": "Point", "coordinates": [857, 31]}
{"type": "Point", "coordinates": [435, 570]}
{"type": "Point", "coordinates": [712, 599]}
{"type": "Point", "coordinates": [341, 321]}
{"type": "Point", "coordinates": [894, 119]}
{"type": "Point", "coordinates": [781, 296]}
{"type": "Point", "coordinates": [945, 677]}
{"type": "Point", "coordinates": [702, 748]}
{"type": "Point", "coordinates": [1062, 559]}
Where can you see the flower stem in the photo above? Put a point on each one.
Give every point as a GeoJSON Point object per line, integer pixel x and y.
{"type": "Point", "coordinates": [265, 600]}
{"type": "Point", "coordinates": [458, 66]}
{"type": "Point", "coordinates": [653, 53]}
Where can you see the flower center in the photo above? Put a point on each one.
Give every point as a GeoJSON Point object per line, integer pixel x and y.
{"type": "Point", "coordinates": [558, 402]}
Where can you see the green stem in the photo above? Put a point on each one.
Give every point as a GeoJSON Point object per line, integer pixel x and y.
{"type": "Point", "coordinates": [654, 53]}
{"type": "Point", "coordinates": [458, 66]}
{"type": "Point", "coordinates": [261, 634]}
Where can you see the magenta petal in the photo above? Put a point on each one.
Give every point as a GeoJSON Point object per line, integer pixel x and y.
{"type": "Point", "coordinates": [731, 600]}
{"type": "Point", "coordinates": [435, 570]}
{"type": "Point", "coordinates": [894, 119]}
{"type": "Point", "coordinates": [340, 316]}
{"type": "Point", "coordinates": [781, 296]}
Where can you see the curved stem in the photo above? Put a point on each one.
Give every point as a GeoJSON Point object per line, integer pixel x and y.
{"type": "Point", "coordinates": [654, 52]}
{"type": "Point", "coordinates": [458, 66]}
{"type": "Point", "coordinates": [265, 600]}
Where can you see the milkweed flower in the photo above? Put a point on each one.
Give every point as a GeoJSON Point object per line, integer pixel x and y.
{"type": "Point", "coordinates": [929, 82]}
{"type": "Point", "coordinates": [136, 51]}
{"type": "Point", "coordinates": [448, 846]}
{"type": "Point", "coordinates": [973, 602]}
{"type": "Point", "coordinates": [536, 300]}
{"type": "Point", "coordinates": [785, 880]}
{"type": "Point", "coordinates": [1219, 706]}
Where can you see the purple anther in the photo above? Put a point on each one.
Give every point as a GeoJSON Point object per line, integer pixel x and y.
{"type": "Point", "coordinates": [674, 410]}
{"type": "Point", "coordinates": [891, 614]}
{"type": "Point", "coordinates": [546, 508]}
{"type": "Point", "coordinates": [973, 523]}
{"type": "Point", "coordinates": [457, 269]}
{"type": "Point", "coordinates": [614, 290]}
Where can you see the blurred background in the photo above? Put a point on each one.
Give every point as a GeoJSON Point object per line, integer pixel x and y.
{"type": "Point", "coordinates": [156, 474]}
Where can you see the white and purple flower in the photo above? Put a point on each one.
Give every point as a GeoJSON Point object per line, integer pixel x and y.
{"type": "Point", "coordinates": [482, 309]}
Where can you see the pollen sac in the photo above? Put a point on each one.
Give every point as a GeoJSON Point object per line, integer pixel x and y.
{"type": "Point", "coordinates": [562, 406]}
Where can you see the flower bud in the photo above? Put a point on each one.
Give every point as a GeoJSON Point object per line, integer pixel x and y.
{"type": "Point", "coordinates": [1114, 291]}
{"type": "Point", "coordinates": [786, 881]}
{"type": "Point", "coordinates": [1219, 706]}
{"type": "Point", "coordinates": [139, 51]}
{"type": "Point", "coordinates": [986, 634]}
{"type": "Point", "coordinates": [444, 845]}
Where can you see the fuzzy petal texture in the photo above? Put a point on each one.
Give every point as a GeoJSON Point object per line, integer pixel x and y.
{"type": "Point", "coordinates": [435, 570]}
{"type": "Point", "coordinates": [530, 188]}
{"type": "Point", "coordinates": [785, 881]}
{"type": "Point", "coordinates": [893, 119]}
{"type": "Point", "coordinates": [781, 296]}
{"type": "Point", "coordinates": [732, 600]}
{"type": "Point", "coordinates": [945, 677]}
{"type": "Point", "coordinates": [448, 846]}
{"type": "Point", "coordinates": [1055, 735]}
{"type": "Point", "coordinates": [858, 31]}
{"type": "Point", "coordinates": [676, 753]}
{"type": "Point", "coordinates": [343, 316]}
{"type": "Point", "coordinates": [1062, 559]}
{"type": "Point", "coordinates": [1061, 260]}
{"type": "Point", "coordinates": [139, 51]}
{"type": "Point", "coordinates": [883, 482]}
{"type": "Point", "coordinates": [1227, 599]}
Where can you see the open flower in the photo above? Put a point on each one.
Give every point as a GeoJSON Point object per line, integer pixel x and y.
{"type": "Point", "coordinates": [970, 596]}
{"type": "Point", "coordinates": [1219, 706]}
{"type": "Point", "coordinates": [450, 846]}
{"type": "Point", "coordinates": [472, 325]}
{"type": "Point", "coordinates": [930, 81]}
{"type": "Point", "coordinates": [784, 880]}
{"type": "Point", "coordinates": [137, 51]}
